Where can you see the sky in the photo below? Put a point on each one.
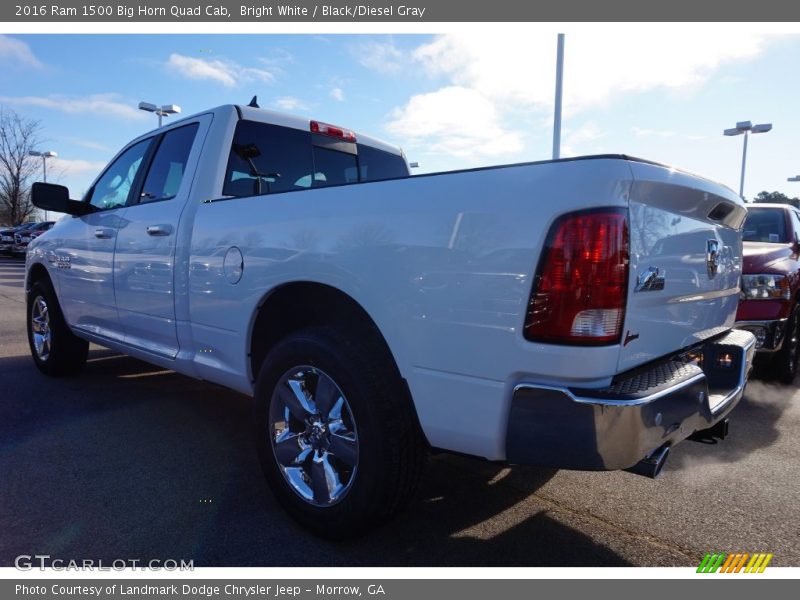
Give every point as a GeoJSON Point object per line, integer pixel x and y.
{"type": "Point", "coordinates": [452, 100]}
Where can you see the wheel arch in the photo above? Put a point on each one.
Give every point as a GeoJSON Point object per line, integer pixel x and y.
{"type": "Point", "coordinates": [37, 272]}
{"type": "Point", "coordinates": [299, 304]}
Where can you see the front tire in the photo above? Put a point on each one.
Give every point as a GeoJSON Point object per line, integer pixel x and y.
{"type": "Point", "coordinates": [784, 363]}
{"type": "Point", "coordinates": [56, 351]}
{"type": "Point", "coordinates": [337, 435]}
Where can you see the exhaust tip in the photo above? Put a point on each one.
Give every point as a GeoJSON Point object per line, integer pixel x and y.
{"type": "Point", "coordinates": [651, 466]}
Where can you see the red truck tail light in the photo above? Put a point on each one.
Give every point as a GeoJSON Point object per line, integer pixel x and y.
{"type": "Point", "coordinates": [333, 131]}
{"type": "Point", "coordinates": [581, 284]}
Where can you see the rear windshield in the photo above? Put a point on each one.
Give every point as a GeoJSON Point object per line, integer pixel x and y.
{"type": "Point", "coordinates": [266, 159]}
{"type": "Point", "coordinates": [765, 225]}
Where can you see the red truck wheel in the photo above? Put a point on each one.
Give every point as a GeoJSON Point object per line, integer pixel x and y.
{"type": "Point", "coordinates": [784, 364]}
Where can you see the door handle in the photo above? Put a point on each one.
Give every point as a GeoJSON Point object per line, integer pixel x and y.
{"type": "Point", "coordinates": [159, 230]}
{"type": "Point", "coordinates": [103, 233]}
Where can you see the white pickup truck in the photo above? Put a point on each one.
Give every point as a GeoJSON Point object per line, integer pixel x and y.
{"type": "Point", "coordinates": [572, 314]}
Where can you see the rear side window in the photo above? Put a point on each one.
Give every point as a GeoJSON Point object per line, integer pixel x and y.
{"type": "Point", "coordinates": [169, 163]}
{"type": "Point", "coordinates": [765, 225]}
{"type": "Point", "coordinates": [332, 167]}
{"type": "Point", "coordinates": [377, 164]}
{"type": "Point", "coordinates": [266, 159]}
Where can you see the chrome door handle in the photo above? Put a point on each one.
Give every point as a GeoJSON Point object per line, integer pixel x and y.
{"type": "Point", "coordinates": [159, 230]}
{"type": "Point", "coordinates": [103, 233]}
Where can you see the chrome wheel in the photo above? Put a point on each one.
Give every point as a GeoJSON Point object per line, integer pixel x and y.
{"type": "Point", "coordinates": [313, 435]}
{"type": "Point", "coordinates": [40, 328]}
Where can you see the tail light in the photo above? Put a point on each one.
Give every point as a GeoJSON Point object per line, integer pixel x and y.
{"type": "Point", "coordinates": [581, 284]}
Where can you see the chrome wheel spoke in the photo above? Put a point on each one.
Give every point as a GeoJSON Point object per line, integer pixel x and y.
{"type": "Point", "coordinates": [344, 447]}
{"type": "Point", "coordinates": [293, 396]}
{"type": "Point", "coordinates": [324, 479]}
{"type": "Point", "coordinates": [326, 395]}
{"type": "Point", "coordinates": [288, 448]}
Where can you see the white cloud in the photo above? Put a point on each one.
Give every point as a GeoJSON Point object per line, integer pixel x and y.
{"type": "Point", "coordinates": [581, 140]}
{"type": "Point", "coordinates": [17, 52]}
{"type": "Point", "coordinates": [101, 105]}
{"type": "Point", "coordinates": [290, 103]}
{"type": "Point", "coordinates": [520, 69]}
{"type": "Point", "coordinates": [383, 57]}
{"type": "Point", "coordinates": [454, 120]}
{"type": "Point", "coordinates": [90, 144]}
{"type": "Point", "coordinates": [226, 72]}
{"type": "Point", "coordinates": [644, 132]}
{"type": "Point", "coordinates": [70, 167]}
{"type": "Point", "coordinates": [337, 94]}
{"type": "Point", "coordinates": [493, 79]}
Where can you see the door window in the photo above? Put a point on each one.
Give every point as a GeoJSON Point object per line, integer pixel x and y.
{"type": "Point", "coordinates": [114, 186]}
{"type": "Point", "coordinates": [169, 164]}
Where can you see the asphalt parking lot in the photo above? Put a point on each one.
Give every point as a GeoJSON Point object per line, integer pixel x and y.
{"type": "Point", "coordinates": [131, 461]}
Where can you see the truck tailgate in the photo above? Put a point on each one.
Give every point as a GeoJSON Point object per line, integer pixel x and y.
{"type": "Point", "coordinates": [685, 262]}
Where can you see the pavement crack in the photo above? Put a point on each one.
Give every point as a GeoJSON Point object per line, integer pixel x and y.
{"type": "Point", "coordinates": [691, 554]}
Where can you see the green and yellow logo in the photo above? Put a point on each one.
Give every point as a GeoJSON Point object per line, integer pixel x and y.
{"type": "Point", "coordinates": [739, 562]}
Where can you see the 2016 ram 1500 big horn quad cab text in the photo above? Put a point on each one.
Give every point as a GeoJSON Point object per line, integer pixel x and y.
{"type": "Point", "coordinates": [572, 314]}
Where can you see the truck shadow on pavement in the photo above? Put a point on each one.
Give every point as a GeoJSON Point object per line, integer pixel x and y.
{"type": "Point", "coordinates": [131, 461]}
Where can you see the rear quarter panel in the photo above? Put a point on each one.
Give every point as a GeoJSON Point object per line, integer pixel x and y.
{"type": "Point", "coordinates": [443, 264]}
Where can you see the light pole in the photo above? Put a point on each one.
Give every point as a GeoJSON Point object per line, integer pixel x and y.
{"type": "Point", "coordinates": [164, 110]}
{"type": "Point", "coordinates": [746, 128]}
{"type": "Point", "coordinates": [45, 156]}
{"type": "Point", "coordinates": [559, 94]}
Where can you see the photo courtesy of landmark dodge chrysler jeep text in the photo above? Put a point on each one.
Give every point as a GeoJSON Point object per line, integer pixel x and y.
{"type": "Point", "coordinates": [572, 314]}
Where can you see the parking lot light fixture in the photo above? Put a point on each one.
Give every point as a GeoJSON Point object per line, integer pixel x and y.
{"type": "Point", "coordinates": [164, 110]}
{"type": "Point", "coordinates": [746, 128]}
{"type": "Point", "coordinates": [45, 155]}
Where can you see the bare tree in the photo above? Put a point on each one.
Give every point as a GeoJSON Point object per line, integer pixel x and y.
{"type": "Point", "coordinates": [18, 136]}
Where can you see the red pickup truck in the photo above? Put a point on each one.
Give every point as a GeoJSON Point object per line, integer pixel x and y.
{"type": "Point", "coordinates": [770, 305]}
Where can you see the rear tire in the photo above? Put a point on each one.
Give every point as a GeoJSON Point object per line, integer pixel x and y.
{"type": "Point", "coordinates": [337, 435]}
{"type": "Point", "coordinates": [784, 363]}
{"type": "Point", "coordinates": [56, 351]}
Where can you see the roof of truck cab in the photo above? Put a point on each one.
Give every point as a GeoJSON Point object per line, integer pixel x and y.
{"type": "Point", "coordinates": [274, 117]}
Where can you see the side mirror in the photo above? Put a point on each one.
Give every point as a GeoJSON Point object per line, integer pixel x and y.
{"type": "Point", "coordinates": [55, 198]}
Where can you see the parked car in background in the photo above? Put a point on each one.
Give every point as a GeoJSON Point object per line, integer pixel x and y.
{"type": "Point", "coordinates": [770, 305]}
{"type": "Point", "coordinates": [7, 236]}
{"type": "Point", "coordinates": [23, 237]}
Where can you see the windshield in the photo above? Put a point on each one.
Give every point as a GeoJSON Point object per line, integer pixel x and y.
{"type": "Point", "coordinates": [765, 225]}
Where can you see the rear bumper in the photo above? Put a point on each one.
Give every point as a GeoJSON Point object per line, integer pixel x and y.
{"type": "Point", "coordinates": [769, 334]}
{"type": "Point", "coordinates": [643, 410]}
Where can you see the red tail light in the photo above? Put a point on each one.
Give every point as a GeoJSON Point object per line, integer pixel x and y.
{"type": "Point", "coordinates": [581, 284]}
{"type": "Point", "coordinates": [333, 131]}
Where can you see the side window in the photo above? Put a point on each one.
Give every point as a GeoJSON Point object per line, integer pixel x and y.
{"type": "Point", "coordinates": [332, 167]}
{"type": "Point", "coordinates": [796, 223]}
{"type": "Point", "coordinates": [113, 187]}
{"type": "Point", "coordinates": [374, 164]}
{"type": "Point", "coordinates": [169, 163]}
{"type": "Point", "coordinates": [265, 159]}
